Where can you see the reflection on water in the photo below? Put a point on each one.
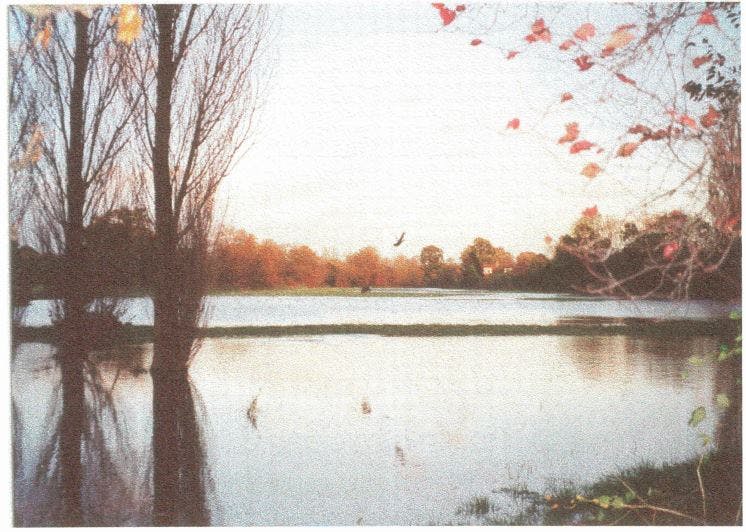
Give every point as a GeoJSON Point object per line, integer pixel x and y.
{"type": "Point", "coordinates": [344, 429]}
{"type": "Point", "coordinates": [90, 449]}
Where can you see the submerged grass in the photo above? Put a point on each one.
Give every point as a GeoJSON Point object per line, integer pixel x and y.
{"type": "Point", "coordinates": [636, 328]}
{"type": "Point", "coordinates": [643, 495]}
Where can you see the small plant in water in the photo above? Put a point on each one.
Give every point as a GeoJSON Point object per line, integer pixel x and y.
{"type": "Point", "coordinates": [253, 411]}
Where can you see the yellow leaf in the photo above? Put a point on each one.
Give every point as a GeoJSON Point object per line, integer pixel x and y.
{"type": "Point", "coordinates": [129, 23]}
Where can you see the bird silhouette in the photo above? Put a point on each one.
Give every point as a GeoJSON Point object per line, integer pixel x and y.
{"type": "Point", "coordinates": [401, 239]}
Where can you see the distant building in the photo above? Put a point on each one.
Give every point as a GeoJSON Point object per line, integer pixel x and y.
{"type": "Point", "coordinates": [489, 270]}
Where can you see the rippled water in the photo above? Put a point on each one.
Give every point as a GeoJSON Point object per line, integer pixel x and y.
{"type": "Point", "coordinates": [339, 430]}
{"type": "Point", "coordinates": [416, 306]}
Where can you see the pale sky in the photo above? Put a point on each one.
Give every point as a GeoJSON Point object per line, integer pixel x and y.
{"type": "Point", "coordinates": [377, 120]}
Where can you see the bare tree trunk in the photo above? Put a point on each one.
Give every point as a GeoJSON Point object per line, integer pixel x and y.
{"type": "Point", "coordinates": [165, 428]}
{"type": "Point", "coordinates": [164, 296]}
{"type": "Point", "coordinates": [74, 301]}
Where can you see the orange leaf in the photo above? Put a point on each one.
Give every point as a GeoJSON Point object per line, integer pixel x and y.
{"type": "Point", "coordinates": [476, 42]}
{"type": "Point", "coordinates": [591, 170]}
{"type": "Point", "coordinates": [512, 54]}
{"type": "Point", "coordinates": [707, 18]}
{"type": "Point", "coordinates": [590, 212]}
{"type": "Point", "coordinates": [585, 31]}
{"type": "Point", "coordinates": [438, 6]}
{"type": "Point", "coordinates": [711, 118]}
{"type": "Point", "coordinates": [627, 149]}
{"type": "Point", "coordinates": [566, 96]}
{"type": "Point", "coordinates": [701, 60]}
{"type": "Point", "coordinates": [572, 132]}
{"type": "Point", "coordinates": [620, 38]}
{"type": "Point", "coordinates": [513, 124]}
{"type": "Point", "coordinates": [566, 45]}
{"type": "Point", "coordinates": [548, 240]}
{"type": "Point", "coordinates": [581, 145]}
{"type": "Point", "coordinates": [584, 62]}
{"type": "Point", "coordinates": [625, 79]}
{"type": "Point", "coordinates": [44, 36]}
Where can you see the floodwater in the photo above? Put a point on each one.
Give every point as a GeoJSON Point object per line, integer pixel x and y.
{"type": "Point", "coordinates": [357, 429]}
{"type": "Point", "coordinates": [412, 306]}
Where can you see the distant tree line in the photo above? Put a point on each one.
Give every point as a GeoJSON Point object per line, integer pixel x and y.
{"type": "Point", "coordinates": [118, 250]}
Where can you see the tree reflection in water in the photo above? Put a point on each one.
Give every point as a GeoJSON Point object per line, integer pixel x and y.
{"type": "Point", "coordinates": [94, 469]}
{"type": "Point", "coordinates": [179, 473]}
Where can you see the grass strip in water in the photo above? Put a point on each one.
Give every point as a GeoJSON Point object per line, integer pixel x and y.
{"type": "Point", "coordinates": [635, 328]}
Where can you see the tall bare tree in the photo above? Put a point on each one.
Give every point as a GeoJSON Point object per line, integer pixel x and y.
{"type": "Point", "coordinates": [70, 126]}
{"type": "Point", "coordinates": [198, 67]}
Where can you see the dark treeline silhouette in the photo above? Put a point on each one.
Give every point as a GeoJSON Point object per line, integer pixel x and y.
{"type": "Point", "coordinates": [119, 256]}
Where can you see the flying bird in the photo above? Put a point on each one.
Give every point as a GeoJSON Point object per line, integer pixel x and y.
{"type": "Point", "coordinates": [401, 239]}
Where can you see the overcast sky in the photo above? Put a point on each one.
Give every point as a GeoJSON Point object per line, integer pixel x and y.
{"type": "Point", "coordinates": [377, 120]}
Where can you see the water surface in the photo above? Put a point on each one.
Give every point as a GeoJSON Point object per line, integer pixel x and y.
{"type": "Point", "coordinates": [415, 306]}
{"type": "Point", "coordinates": [372, 430]}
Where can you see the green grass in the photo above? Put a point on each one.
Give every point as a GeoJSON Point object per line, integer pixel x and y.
{"type": "Point", "coordinates": [643, 495]}
{"type": "Point", "coordinates": [671, 329]}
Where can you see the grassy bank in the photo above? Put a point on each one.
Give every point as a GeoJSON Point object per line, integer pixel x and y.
{"type": "Point", "coordinates": [634, 328]}
{"type": "Point", "coordinates": [644, 495]}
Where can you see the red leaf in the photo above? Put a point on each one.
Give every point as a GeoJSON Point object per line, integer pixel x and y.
{"type": "Point", "coordinates": [585, 31]}
{"type": "Point", "coordinates": [688, 121]}
{"type": "Point", "coordinates": [627, 149]}
{"type": "Point", "coordinates": [584, 62]}
{"type": "Point", "coordinates": [512, 54]}
{"type": "Point", "coordinates": [513, 124]}
{"type": "Point", "coordinates": [438, 6]}
{"type": "Point", "coordinates": [701, 60]}
{"type": "Point", "coordinates": [590, 212]}
{"type": "Point", "coordinates": [460, 7]}
{"type": "Point", "coordinates": [625, 79]}
{"type": "Point", "coordinates": [669, 250]}
{"type": "Point", "coordinates": [581, 145]}
{"type": "Point", "coordinates": [476, 42]}
{"type": "Point", "coordinates": [448, 15]}
{"type": "Point", "coordinates": [711, 118]}
{"type": "Point", "coordinates": [566, 96]}
{"type": "Point", "coordinates": [539, 32]}
{"type": "Point", "coordinates": [707, 18]}
{"type": "Point", "coordinates": [572, 132]}
{"type": "Point", "coordinates": [566, 45]}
